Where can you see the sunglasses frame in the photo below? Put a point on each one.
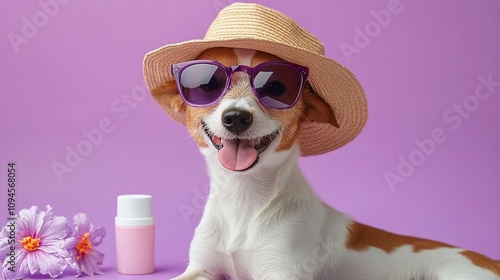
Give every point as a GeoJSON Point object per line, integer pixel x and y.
{"type": "Point", "coordinates": [178, 68]}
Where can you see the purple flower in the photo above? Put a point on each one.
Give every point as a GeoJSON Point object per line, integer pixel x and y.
{"type": "Point", "coordinates": [83, 255]}
{"type": "Point", "coordinates": [38, 244]}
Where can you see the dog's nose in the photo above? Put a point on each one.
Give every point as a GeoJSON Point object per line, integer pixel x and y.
{"type": "Point", "coordinates": [236, 120]}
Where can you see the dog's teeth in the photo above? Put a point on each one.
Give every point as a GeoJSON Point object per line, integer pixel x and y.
{"type": "Point", "coordinates": [217, 140]}
{"type": "Point", "coordinates": [258, 141]}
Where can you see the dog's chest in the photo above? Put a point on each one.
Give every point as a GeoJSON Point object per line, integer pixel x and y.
{"type": "Point", "coordinates": [238, 235]}
{"type": "Point", "coordinates": [236, 250]}
{"type": "Point", "coordinates": [237, 264]}
{"type": "Point", "coordinates": [238, 242]}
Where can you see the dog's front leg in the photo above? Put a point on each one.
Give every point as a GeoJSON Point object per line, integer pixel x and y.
{"type": "Point", "coordinates": [289, 275]}
{"type": "Point", "coordinates": [196, 274]}
{"type": "Point", "coordinates": [279, 272]}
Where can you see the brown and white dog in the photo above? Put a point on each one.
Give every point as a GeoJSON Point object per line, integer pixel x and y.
{"type": "Point", "coordinates": [265, 222]}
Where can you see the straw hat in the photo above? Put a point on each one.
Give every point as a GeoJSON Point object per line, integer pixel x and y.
{"type": "Point", "coordinates": [253, 26]}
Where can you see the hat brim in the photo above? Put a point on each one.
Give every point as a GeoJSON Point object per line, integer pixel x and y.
{"type": "Point", "coordinates": [329, 79]}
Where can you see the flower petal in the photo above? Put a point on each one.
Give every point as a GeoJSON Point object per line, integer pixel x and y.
{"type": "Point", "coordinates": [54, 247]}
{"type": "Point", "coordinates": [50, 263]}
{"type": "Point", "coordinates": [69, 243]}
{"type": "Point", "coordinates": [4, 243]}
{"type": "Point", "coordinates": [22, 269]}
{"type": "Point", "coordinates": [97, 235]}
{"type": "Point", "coordinates": [54, 228]}
{"type": "Point", "coordinates": [72, 261]}
{"type": "Point", "coordinates": [40, 218]}
{"type": "Point", "coordinates": [30, 260]}
{"type": "Point", "coordinates": [26, 223]}
{"type": "Point", "coordinates": [82, 224]}
{"type": "Point", "coordinates": [89, 263]}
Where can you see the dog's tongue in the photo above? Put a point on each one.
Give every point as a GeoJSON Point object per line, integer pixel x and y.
{"type": "Point", "coordinates": [237, 154]}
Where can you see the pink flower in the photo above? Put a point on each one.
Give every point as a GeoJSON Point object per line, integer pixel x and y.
{"type": "Point", "coordinates": [38, 244]}
{"type": "Point", "coordinates": [83, 255]}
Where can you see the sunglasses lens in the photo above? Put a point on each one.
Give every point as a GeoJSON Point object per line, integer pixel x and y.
{"type": "Point", "coordinates": [202, 83]}
{"type": "Point", "coordinates": [278, 85]}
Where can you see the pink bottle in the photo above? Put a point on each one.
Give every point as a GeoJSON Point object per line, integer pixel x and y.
{"type": "Point", "coordinates": [135, 234]}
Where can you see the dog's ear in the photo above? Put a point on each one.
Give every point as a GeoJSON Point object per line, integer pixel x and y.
{"type": "Point", "coordinates": [316, 108]}
{"type": "Point", "coordinates": [168, 97]}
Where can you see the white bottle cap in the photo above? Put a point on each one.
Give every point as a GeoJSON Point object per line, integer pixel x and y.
{"type": "Point", "coordinates": [134, 210]}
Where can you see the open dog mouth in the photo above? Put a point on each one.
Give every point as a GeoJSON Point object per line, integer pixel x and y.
{"type": "Point", "coordinates": [239, 154]}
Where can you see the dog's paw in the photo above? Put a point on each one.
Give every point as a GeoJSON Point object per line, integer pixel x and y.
{"type": "Point", "coordinates": [194, 275]}
{"type": "Point", "coordinates": [181, 277]}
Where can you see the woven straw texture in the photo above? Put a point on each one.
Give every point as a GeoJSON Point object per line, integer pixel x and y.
{"type": "Point", "coordinates": [253, 26]}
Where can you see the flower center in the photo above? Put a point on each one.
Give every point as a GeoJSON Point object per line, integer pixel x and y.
{"type": "Point", "coordinates": [83, 246]}
{"type": "Point", "coordinates": [31, 244]}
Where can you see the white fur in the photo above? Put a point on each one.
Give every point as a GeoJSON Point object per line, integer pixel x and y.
{"type": "Point", "coordinates": [244, 56]}
{"type": "Point", "coordinates": [267, 223]}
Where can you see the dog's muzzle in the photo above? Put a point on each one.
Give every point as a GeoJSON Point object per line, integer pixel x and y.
{"type": "Point", "coordinates": [238, 153]}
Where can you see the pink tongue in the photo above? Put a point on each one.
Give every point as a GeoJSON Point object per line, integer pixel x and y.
{"type": "Point", "coordinates": [237, 154]}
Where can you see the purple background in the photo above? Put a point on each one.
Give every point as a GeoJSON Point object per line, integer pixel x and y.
{"type": "Point", "coordinates": [73, 71]}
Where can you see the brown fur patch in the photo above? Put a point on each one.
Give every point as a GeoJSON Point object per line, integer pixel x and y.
{"type": "Point", "coordinates": [222, 55]}
{"type": "Point", "coordinates": [310, 108]}
{"type": "Point", "coordinates": [483, 261]}
{"type": "Point", "coordinates": [316, 109]}
{"type": "Point", "coordinates": [194, 117]}
{"type": "Point", "coordinates": [167, 96]}
{"type": "Point", "coordinates": [362, 237]}
{"type": "Point", "coordinates": [171, 102]}
{"type": "Point", "coordinates": [291, 124]}
{"type": "Point", "coordinates": [261, 57]}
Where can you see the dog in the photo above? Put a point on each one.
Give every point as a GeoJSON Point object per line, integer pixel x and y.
{"type": "Point", "coordinates": [263, 221]}
{"type": "Point", "coordinates": [256, 93]}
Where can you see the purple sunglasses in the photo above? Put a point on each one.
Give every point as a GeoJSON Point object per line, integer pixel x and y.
{"type": "Point", "coordinates": [277, 84]}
